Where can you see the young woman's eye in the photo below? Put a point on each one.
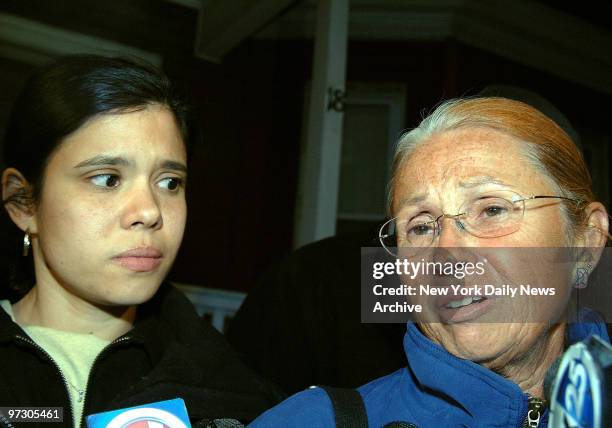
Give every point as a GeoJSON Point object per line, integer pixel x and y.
{"type": "Point", "coordinates": [171, 183]}
{"type": "Point", "coordinates": [105, 180]}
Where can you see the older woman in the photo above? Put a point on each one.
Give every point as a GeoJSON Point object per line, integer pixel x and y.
{"type": "Point", "coordinates": [479, 173]}
{"type": "Point", "coordinates": [96, 154]}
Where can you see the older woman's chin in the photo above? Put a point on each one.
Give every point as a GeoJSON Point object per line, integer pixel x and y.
{"type": "Point", "coordinates": [484, 342]}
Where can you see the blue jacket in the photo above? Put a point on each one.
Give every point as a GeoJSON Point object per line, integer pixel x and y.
{"type": "Point", "coordinates": [435, 390]}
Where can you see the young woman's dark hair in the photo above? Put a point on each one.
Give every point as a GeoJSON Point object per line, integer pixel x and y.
{"type": "Point", "coordinates": [55, 102]}
{"type": "Point", "coordinates": [95, 186]}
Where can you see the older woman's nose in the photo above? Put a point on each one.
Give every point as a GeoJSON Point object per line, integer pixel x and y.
{"type": "Point", "coordinates": [451, 233]}
{"type": "Point", "coordinates": [142, 209]}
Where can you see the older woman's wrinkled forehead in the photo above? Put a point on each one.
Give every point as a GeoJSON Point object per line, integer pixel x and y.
{"type": "Point", "coordinates": [451, 164]}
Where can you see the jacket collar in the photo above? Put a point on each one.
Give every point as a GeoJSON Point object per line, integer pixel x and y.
{"type": "Point", "coordinates": [158, 320]}
{"type": "Point", "coordinates": [186, 354]}
{"type": "Point", "coordinates": [470, 385]}
{"type": "Point", "coordinates": [177, 341]}
{"type": "Point", "coordinates": [189, 355]}
{"type": "Point", "coordinates": [8, 329]}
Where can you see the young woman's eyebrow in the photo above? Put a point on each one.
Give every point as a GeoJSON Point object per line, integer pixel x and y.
{"type": "Point", "coordinates": [174, 165]}
{"type": "Point", "coordinates": [102, 160]}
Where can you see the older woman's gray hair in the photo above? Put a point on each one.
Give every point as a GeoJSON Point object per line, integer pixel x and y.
{"type": "Point", "coordinates": [545, 145]}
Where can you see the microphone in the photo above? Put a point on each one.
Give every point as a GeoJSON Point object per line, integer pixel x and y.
{"type": "Point", "coordinates": [161, 414]}
{"type": "Point", "coordinates": [578, 386]}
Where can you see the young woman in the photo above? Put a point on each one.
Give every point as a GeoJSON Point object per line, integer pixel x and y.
{"type": "Point", "coordinates": [96, 155]}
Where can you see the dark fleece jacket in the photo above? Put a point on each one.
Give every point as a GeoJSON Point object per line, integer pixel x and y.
{"type": "Point", "coordinates": [170, 352]}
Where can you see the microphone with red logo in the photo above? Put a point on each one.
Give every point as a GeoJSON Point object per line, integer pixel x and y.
{"type": "Point", "coordinates": [161, 414]}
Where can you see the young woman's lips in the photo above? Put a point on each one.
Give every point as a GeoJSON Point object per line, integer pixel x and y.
{"type": "Point", "coordinates": [140, 259]}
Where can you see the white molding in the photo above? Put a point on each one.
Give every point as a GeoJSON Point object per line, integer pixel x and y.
{"type": "Point", "coordinates": [224, 24]}
{"type": "Point", "coordinates": [524, 31]}
{"type": "Point", "coordinates": [218, 304]}
{"type": "Point", "coordinates": [389, 94]}
{"type": "Point", "coordinates": [190, 4]}
{"type": "Point", "coordinates": [36, 43]}
{"type": "Point", "coordinates": [392, 95]}
{"type": "Point", "coordinates": [542, 37]}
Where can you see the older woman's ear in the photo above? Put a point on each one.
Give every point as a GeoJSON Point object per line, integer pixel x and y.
{"type": "Point", "coordinates": [596, 234]}
{"type": "Point", "coordinates": [18, 200]}
{"type": "Point", "coordinates": [592, 241]}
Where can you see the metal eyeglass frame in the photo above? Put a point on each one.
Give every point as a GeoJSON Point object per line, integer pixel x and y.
{"type": "Point", "coordinates": [437, 229]}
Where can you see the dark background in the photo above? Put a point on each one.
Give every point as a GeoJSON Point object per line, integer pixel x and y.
{"type": "Point", "coordinates": [250, 108]}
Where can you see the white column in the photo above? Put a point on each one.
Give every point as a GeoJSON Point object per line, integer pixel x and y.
{"type": "Point", "coordinates": [317, 197]}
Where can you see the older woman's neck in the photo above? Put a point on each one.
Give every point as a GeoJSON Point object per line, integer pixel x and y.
{"type": "Point", "coordinates": [529, 370]}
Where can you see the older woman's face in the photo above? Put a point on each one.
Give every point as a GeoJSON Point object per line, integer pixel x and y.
{"type": "Point", "coordinates": [112, 209]}
{"type": "Point", "coordinates": [442, 175]}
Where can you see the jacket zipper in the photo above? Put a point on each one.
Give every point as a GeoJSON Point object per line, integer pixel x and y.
{"type": "Point", "coordinates": [120, 339]}
{"type": "Point", "coordinates": [34, 344]}
{"type": "Point", "coordinates": [535, 410]}
{"type": "Point", "coordinates": [5, 422]}
{"type": "Point", "coordinates": [81, 397]}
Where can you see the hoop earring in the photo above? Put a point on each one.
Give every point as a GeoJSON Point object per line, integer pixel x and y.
{"type": "Point", "coordinates": [26, 245]}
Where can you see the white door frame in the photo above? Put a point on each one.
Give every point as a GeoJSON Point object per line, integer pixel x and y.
{"type": "Point", "coordinates": [392, 96]}
{"type": "Point", "coordinates": [317, 199]}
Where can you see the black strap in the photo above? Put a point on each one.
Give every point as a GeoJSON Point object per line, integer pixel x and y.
{"type": "Point", "coordinates": [348, 407]}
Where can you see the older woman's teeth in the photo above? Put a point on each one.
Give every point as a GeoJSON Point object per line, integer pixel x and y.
{"type": "Point", "coordinates": [464, 302]}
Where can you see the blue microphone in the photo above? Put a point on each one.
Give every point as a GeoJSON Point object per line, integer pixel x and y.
{"type": "Point", "coordinates": [579, 386]}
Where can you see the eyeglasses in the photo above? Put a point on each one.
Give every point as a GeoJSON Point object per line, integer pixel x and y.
{"type": "Point", "coordinates": [488, 215]}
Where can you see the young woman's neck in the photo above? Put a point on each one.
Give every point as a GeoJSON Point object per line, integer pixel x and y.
{"type": "Point", "coordinates": [55, 307]}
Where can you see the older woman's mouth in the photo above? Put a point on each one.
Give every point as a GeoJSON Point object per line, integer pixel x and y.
{"type": "Point", "coordinates": [456, 304]}
{"type": "Point", "coordinates": [455, 310]}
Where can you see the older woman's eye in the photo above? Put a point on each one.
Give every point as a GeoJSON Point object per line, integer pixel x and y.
{"type": "Point", "coordinates": [494, 211]}
{"type": "Point", "coordinates": [171, 183]}
{"type": "Point", "coordinates": [421, 229]}
{"type": "Point", "coordinates": [490, 208]}
{"type": "Point", "coordinates": [105, 180]}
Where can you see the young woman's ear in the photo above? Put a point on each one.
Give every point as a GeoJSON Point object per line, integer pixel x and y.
{"type": "Point", "coordinates": [18, 199]}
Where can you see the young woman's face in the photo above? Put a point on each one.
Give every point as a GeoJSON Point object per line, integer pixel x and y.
{"type": "Point", "coordinates": [112, 209]}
